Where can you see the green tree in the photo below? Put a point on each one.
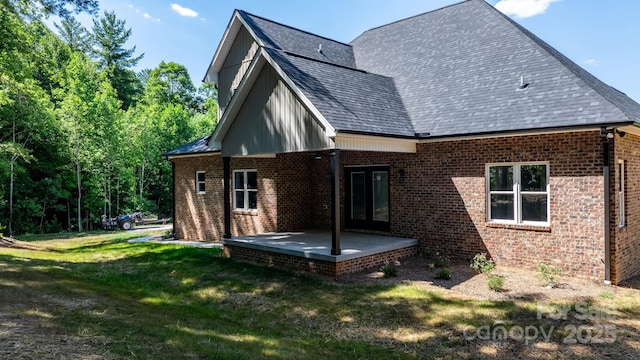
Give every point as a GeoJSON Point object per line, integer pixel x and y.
{"type": "Point", "coordinates": [37, 8]}
{"type": "Point", "coordinates": [110, 36]}
{"type": "Point", "coordinates": [170, 83]}
{"type": "Point", "coordinates": [74, 34]}
{"type": "Point", "coordinates": [171, 112]}
{"type": "Point", "coordinates": [25, 109]}
{"type": "Point", "coordinates": [88, 109]}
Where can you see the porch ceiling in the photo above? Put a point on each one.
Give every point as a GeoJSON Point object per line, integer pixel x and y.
{"type": "Point", "coordinates": [316, 244]}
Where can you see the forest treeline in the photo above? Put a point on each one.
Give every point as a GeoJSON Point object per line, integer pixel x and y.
{"type": "Point", "coordinates": [81, 133]}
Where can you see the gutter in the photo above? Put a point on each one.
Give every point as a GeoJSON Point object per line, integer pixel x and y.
{"type": "Point", "coordinates": [606, 135]}
{"type": "Point", "coordinates": [426, 137]}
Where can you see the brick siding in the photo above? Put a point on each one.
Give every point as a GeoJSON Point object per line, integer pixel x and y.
{"type": "Point", "coordinates": [198, 216]}
{"type": "Point", "coordinates": [321, 267]}
{"type": "Point", "coordinates": [625, 242]}
{"type": "Point", "coordinates": [441, 201]}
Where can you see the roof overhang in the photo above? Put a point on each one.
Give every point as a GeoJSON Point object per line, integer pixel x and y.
{"type": "Point", "coordinates": [623, 126]}
{"type": "Point", "coordinates": [228, 38]}
{"type": "Point", "coordinates": [358, 142]}
{"type": "Point", "coordinates": [631, 129]}
{"type": "Point", "coordinates": [182, 156]}
{"type": "Point", "coordinates": [261, 59]}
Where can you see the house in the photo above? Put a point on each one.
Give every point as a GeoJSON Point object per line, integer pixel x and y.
{"type": "Point", "coordinates": [456, 130]}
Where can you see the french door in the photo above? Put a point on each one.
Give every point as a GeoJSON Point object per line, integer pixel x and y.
{"type": "Point", "coordinates": [367, 197]}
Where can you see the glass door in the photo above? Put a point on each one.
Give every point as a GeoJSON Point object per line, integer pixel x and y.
{"type": "Point", "coordinates": [367, 198]}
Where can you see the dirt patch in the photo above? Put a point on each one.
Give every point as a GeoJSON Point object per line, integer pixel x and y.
{"type": "Point", "coordinates": [17, 244]}
{"type": "Point", "coordinates": [518, 285]}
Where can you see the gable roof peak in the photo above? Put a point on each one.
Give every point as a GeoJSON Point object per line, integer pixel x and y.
{"type": "Point", "coordinates": [247, 14]}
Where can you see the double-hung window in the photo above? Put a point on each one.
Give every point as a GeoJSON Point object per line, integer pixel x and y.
{"type": "Point", "coordinates": [245, 190]}
{"type": "Point", "coordinates": [200, 182]}
{"type": "Point", "coordinates": [518, 193]}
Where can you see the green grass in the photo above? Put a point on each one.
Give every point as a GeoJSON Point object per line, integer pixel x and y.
{"type": "Point", "coordinates": [97, 294]}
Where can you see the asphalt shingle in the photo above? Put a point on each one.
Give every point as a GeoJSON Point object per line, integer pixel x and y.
{"type": "Point", "coordinates": [351, 100]}
{"type": "Point", "coordinates": [198, 146]}
{"type": "Point", "coordinates": [458, 72]}
{"type": "Point", "coordinates": [282, 37]}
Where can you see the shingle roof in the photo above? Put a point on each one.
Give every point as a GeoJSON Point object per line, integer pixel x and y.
{"type": "Point", "coordinates": [282, 37]}
{"type": "Point", "coordinates": [351, 100]}
{"type": "Point", "coordinates": [458, 72]}
{"type": "Point", "coordinates": [198, 146]}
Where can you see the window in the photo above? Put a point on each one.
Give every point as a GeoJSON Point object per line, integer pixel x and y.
{"type": "Point", "coordinates": [200, 187]}
{"type": "Point", "coordinates": [245, 190]}
{"type": "Point", "coordinates": [621, 191]}
{"type": "Point", "coordinates": [367, 197]}
{"type": "Point", "coordinates": [518, 193]}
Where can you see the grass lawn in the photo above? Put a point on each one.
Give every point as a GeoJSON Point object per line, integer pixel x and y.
{"type": "Point", "coordinates": [96, 296]}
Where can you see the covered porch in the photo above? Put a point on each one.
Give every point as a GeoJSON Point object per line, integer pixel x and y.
{"type": "Point", "coordinates": [310, 250]}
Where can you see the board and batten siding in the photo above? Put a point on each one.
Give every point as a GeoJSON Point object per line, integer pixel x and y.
{"type": "Point", "coordinates": [235, 66]}
{"type": "Point", "coordinates": [272, 120]}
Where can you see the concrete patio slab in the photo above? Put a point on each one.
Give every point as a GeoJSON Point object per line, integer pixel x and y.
{"type": "Point", "coordinates": [316, 244]}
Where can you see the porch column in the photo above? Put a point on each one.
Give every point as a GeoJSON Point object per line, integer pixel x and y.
{"type": "Point", "coordinates": [334, 156]}
{"type": "Point", "coordinates": [226, 166]}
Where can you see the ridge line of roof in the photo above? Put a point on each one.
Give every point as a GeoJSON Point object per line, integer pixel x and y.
{"type": "Point", "coordinates": [323, 62]}
{"type": "Point", "coordinates": [413, 16]}
{"type": "Point", "coordinates": [291, 27]}
{"type": "Point", "coordinates": [577, 70]}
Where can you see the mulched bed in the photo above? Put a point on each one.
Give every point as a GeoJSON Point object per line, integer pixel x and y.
{"type": "Point", "coordinates": [519, 284]}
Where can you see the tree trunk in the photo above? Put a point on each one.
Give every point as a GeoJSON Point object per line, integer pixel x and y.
{"type": "Point", "coordinates": [11, 176]}
{"type": "Point", "coordinates": [141, 181]}
{"type": "Point", "coordinates": [44, 213]}
{"type": "Point", "coordinates": [68, 215]}
{"type": "Point", "coordinates": [79, 182]}
{"type": "Point", "coordinates": [118, 197]}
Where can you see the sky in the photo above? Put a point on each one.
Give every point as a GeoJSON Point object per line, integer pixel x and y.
{"type": "Point", "coordinates": [601, 36]}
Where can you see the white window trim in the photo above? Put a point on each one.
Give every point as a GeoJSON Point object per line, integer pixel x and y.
{"type": "Point", "coordinates": [516, 191]}
{"type": "Point", "coordinates": [621, 193]}
{"type": "Point", "coordinates": [198, 191]}
{"type": "Point", "coordinates": [245, 190]}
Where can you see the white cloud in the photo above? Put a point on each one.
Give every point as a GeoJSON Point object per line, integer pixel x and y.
{"type": "Point", "coordinates": [149, 17]}
{"type": "Point", "coordinates": [523, 8]}
{"type": "Point", "coordinates": [591, 62]}
{"type": "Point", "coordinates": [183, 11]}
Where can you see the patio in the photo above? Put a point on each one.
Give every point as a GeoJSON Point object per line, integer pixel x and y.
{"type": "Point", "coordinates": [310, 250]}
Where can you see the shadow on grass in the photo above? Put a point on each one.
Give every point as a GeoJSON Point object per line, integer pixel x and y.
{"type": "Point", "coordinates": [174, 302]}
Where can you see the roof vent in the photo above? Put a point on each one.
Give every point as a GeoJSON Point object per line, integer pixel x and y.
{"type": "Point", "coordinates": [320, 48]}
{"type": "Point", "coordinates": [523, 85]}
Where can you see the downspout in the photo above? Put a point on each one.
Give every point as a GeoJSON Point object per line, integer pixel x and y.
{"type": "Point", "coordinates": [606, 135]}
{"type": "Point", "coordinates": [226, 166]}
{"type": "Point", "coordinates": [173, 176]}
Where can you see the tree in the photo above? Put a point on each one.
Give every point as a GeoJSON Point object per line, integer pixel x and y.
{"type": "Point", "coordinates": [170, 83]}
{"type": "Point", "coordinates": [25, 109]}
{"type": "Point", "coordinates": [88, 109]}
{"type": "Point", "coordinates": [36, 8]}
{"type": "Point", "coordinates": [109, 40]}
{"type": "Point", "coordinates": [74, 34]}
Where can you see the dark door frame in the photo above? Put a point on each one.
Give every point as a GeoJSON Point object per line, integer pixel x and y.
{"type": "Point", "coordinates": [368, 223]}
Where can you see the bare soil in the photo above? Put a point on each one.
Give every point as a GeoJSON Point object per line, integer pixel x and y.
{"type": "Point", "coordinates": [519, 284]}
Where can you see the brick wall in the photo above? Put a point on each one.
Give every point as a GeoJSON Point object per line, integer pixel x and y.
{"type": "Point", "coordinates": [625, 242]}
{"type": "Point", "coordinates": [442, 200]}
{"type": "Point", "coordinates": [198, 216]}
{"type": "Point", "coordinates": [265, 218]}
{"type": "Point", "coordinates": [295, 191]}
{"type": "Point", "coordinates": [297, 263]}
